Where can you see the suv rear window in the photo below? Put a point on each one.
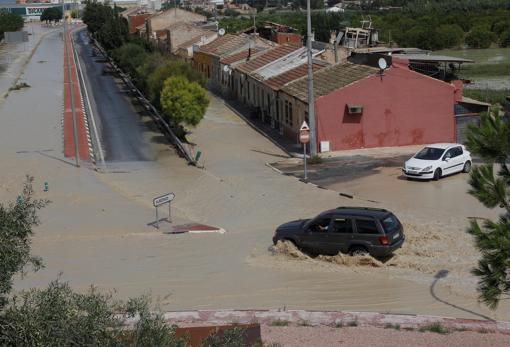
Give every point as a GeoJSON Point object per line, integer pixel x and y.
{"type": "Point", "coordinates": [364, 226]}
{"type": "Point", "coordinates": [390, 223]}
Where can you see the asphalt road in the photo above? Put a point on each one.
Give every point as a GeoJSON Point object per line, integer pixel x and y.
{"type": "Point", "coordinates": [120, 129]}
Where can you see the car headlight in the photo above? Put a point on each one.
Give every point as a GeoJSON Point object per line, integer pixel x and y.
{"type": "Point", "coordinates": [428, 168]}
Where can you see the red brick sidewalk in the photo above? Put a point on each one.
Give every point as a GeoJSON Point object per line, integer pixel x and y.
{"type": "Point", "coordinates": [83, 143]}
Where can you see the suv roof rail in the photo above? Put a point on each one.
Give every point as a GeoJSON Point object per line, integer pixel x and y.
{"type": "Point", "coordinates": [361, 208]}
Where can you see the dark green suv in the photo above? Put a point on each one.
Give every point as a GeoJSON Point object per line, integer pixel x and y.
{"type": "Point", "coordinates": [353, 230]}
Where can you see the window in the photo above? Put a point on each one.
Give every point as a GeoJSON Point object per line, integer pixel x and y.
{"type": "Point", "coordinates": [457, 151]}
{"type": "Point", "coordinates": [365, 226]}
{"type": "Point", "coordinates": [449, 154]}
{"type": "Point", "coordinates": [342, 226]}
{"type": "Point", "coordinates": [390, 223]}
{"type": "Point", "coordinates": [320, 225]}
{"type": "Point", "coordinates": [291, 120]}
{"type": "Point", "coordinates": [286, 112]}
{"type": "Point", "coordinates": [429, 153]}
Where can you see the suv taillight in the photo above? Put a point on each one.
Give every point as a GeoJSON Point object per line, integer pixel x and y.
{"type": "Point", "coordinates": [383, 240]}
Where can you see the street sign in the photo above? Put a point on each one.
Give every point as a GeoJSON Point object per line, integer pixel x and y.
{"type": "Point", "coordinates": [304, 138]}
{"type": "Point", "coordinates": [160, 200]}
{"type": "Point", "coordinates": [304, 133]}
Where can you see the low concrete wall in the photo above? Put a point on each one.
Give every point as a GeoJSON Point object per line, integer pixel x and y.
{"type": "Point", "coordinates": [371, 319]}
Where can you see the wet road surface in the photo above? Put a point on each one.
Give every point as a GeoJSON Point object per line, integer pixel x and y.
{"type": "Point", "coordinates": [121, 131]}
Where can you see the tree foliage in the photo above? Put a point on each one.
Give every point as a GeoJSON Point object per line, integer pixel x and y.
{"type": "Point", "coordinates": [183, 101]}
{"type": "Point", "coordinates": [105, 23]}
{"type": "Point", "coordinates": [9, 22]}
{"type": "Point", "coordinates": [490, 184]}
{"type": "Point", "coordinates": [480, 37]}
{"type": "Point", "coordinates": [170, 68]}
{"type": "Point", "coordinates": [16, 222]}
{"type": "Point", "coordinates": [51, 14]}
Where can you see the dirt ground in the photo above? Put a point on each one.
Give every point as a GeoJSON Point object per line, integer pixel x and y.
{"type": "Point", "coordinates": [96, 231]}
{"type": "Point", "coordinates": [362, 336]}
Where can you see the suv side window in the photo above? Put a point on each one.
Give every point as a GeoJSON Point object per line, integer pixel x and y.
{"type": "Point", "coordinates": [366, 226]}
{"type": "Point", "coordinates": [341, 225]}
{"type": "Point", "coordinates": [321, 225]}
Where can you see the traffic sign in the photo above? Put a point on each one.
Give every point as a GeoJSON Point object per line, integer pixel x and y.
{"type": "Point", "coordinates": [304, 133]}
{"type": "Point", "coordinates": [160, 200]}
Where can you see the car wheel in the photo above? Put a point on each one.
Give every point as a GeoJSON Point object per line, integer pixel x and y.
{"type": "Point", "coordinates": [358, 250]}
{"type": "Point", "coordinates": [467, 167]}
{"type": "Point", "coordinates": [437, 174]}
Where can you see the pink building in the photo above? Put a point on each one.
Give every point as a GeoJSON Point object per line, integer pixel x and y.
{"type": "Point", "coordinates": [357, 106]}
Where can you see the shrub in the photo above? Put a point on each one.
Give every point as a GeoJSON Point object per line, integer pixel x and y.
{"type": "Point", "coordinates": [182, 101]}
{"type": "Point", "coordinates": [480, 37]}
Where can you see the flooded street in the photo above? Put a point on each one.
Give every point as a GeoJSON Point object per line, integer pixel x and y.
{"type": "Point", "coordinates": [96, 229]}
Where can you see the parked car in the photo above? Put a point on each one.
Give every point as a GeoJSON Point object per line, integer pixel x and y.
{"type": "Point", "coordinates": [353, 230]}
{"type": "Point", "coordinates": [438, 160]}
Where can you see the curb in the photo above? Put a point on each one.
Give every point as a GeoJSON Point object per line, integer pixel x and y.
{"type": "Point", "coordinates": [254, 127]}
{"type": "Point", "coordinates": [335, 318]}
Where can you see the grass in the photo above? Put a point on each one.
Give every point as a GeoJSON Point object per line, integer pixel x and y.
{"type": "Point", "coordinates": [490, 62]}
{"type": "Point", "coordinates": [315, 160]}
{"type": "Point", "coordinates": [491, 96]}
{"type": "Point", "coordinates": [485, 70]}
{"type": "Point", "coordinates": [435, 328]}
{"type": "Point", "coordinates": [304, 323]}
{"type": "Point", "coordinates": [392, 326]}
{"type": "Point", "coordinates": [338, 324]}
{"type": "Point", "coordinates": [279, 323]}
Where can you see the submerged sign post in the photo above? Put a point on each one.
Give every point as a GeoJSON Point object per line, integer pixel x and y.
{"type": "Point", "coordinates": [304, 138]}
{"type": "Point", "coordinates": [161, 200]}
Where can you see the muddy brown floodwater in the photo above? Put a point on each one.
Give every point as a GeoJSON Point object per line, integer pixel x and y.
{"type": "Point", "coordinates": [97, 229]}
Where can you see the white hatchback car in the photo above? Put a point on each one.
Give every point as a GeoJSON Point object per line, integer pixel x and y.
{"type": "Point", "coordinates": [438, 160]}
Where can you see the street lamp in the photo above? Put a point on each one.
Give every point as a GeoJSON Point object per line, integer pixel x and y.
{"type": "Point", "coordinates": [311, 99]}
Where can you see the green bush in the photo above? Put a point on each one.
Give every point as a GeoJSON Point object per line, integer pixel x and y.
{"type": "Point", "coordinates": [480, 37]}
{"type": "Point", "coordinates": [130, 57]}
{"type": "Point", "coordinates": [9, 22]}
{"type": "Point", "coordinates": [504, 38]}
{"type": "Point", "coordinates": [182, 101]}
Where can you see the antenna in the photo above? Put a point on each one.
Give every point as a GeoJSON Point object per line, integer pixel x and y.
{"type": "Point", "coordinates": [221, 32]}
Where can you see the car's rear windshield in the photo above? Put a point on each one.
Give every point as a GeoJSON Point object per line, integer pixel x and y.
{"type": "Point", "coordinates": [430, 153]}
{"type": "Point", "coordinates": [390, 223]}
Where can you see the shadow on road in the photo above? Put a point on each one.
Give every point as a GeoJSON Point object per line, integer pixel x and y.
{"type": "Point", "coordinates": [442, 274]}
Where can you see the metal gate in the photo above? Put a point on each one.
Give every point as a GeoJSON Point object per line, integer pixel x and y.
{"type": "Point", "coordinates": [461, 126]}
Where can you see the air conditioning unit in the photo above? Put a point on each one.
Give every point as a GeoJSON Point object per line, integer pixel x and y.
{"type": "Point", "coordinates": [354, 109]}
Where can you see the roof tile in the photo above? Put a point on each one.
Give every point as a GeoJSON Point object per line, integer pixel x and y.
{"type": "Point", "coordinates": [329, 79]}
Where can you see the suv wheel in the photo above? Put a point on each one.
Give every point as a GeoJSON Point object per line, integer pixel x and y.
{"type": "Point", "coordinates": [467, 167]}
{"type": "Point", "coordinates": [358, 250]}
{"type": "Point", "coordinates": [437, 174]}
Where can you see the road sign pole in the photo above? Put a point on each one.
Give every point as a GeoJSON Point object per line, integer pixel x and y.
{"type": "Point", "coordinates": [304, 159]}
{"type": "Point", "coordinates": [157, 218]}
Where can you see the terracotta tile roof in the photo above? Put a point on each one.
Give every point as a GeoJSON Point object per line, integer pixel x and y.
{"type": "Point", "coordinates": [277, 82]}
{"type": "Point", "coordinates": [229, 59]}
{"type": "Point", "coordinates": [196, 39]}
{"type": "Point", "coordinates": [225, 44]}
{"type": "Point", "coordinates": [329, 79]}
{"type": "Point", "coordinates": [266, 58]}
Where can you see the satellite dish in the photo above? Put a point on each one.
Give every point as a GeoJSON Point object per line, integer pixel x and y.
{"type": "Point", "coordinates": [226, 68]}
{"type": "Point", "coordinates": [221, 32]}
{"type": "Point", "coordinates": [382, 63]}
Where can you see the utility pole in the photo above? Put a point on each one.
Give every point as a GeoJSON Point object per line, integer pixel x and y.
{"type": "Point", "coordinates": [311, 99]}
